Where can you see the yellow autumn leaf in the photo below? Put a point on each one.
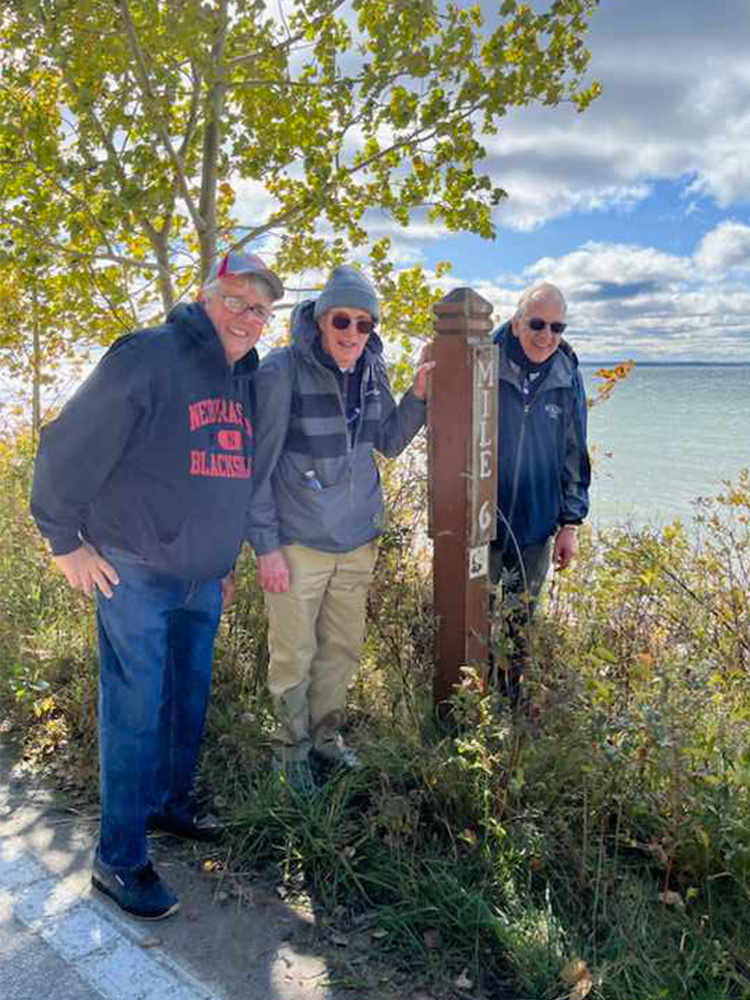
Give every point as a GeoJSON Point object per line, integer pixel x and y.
{"type": "Point", "coordinates": [577, 976]}
{"type": "Point", "coordinates": [670, 898]}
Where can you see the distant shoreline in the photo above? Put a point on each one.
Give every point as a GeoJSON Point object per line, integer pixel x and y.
{"type": "Point", "coordinates": [669, 364]}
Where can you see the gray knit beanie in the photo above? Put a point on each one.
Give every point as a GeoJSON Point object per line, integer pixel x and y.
{"type": "Point", "coordinates": [347, 287]}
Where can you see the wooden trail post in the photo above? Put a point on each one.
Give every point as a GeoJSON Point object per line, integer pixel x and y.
{"type": "Point", "coordinates": [463, 481]}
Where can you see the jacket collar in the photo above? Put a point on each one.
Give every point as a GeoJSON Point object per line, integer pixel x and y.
{"type": "Point", "coordinates": [192, 319]}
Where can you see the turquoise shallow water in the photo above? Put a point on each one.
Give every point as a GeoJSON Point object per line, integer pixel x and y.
{"type": "Point", "coordinates": [668, 434]}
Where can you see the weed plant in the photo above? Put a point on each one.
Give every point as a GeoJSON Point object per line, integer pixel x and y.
{"type": "Point", "coordinates": [597, 846]}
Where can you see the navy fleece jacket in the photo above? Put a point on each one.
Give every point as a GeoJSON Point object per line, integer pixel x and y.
{"type": "Point", "coordinates": [153, 453]}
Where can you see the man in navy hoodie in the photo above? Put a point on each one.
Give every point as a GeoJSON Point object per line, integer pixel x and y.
{"type": "Point", "coordinates": [141, 488]}
{"type": "Point", "coordinates": [543, 468]}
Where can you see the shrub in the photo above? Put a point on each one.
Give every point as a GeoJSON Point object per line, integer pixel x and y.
{"type": "Point", "coordinates": [600, 847]}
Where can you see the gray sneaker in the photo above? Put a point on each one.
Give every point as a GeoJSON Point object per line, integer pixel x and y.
{"type": "Point", "coordinates": [138, 891]}
{"type": "Point", "coordinates": [334, 754]}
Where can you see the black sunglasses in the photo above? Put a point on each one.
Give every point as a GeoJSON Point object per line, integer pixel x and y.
{"type": "Point", "coordinates": [342, 322]}
{"type": "Point", "coordinates": [537, 323]}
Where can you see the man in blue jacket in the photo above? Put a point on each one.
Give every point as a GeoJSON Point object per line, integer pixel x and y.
{"type": "Point", "coordinates": [324, 408]}
{"type": "Point", "coordinates": [543, 465]}
{"type": "Point", "coordinates": [141, 488]}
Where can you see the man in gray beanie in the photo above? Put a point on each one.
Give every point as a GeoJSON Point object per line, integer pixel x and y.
{"type": "Point", "coordinates": [324, 406]}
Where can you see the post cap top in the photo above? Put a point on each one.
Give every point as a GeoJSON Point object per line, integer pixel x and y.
{"type": "Point", "coordinates": [463, 301]}
{"type": "Point", "coordinates": [463, 311]}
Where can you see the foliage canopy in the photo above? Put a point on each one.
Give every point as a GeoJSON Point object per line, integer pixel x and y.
{"type": "Point", "coordinates": [128, 129]}
{"type": "Point", "coordinates": [139, 138]}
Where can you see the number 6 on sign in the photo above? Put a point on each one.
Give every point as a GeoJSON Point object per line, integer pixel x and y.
{"type": "Point", "coordinates": [478, 561]}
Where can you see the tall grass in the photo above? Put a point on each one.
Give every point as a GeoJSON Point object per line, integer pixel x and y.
{"type": "Point", "coordinates": [599, 846]}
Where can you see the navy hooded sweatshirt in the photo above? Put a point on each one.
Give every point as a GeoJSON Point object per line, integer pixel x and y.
{"type": "Point", "coordinates": [153, 453]}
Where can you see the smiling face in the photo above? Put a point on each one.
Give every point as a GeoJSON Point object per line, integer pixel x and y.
{"type": "Point", "coordinates": [344, 346]}
{"type": "Point", "coordinates": [538, 345]}
{"type": "Point", "coordinates": [238, 332]}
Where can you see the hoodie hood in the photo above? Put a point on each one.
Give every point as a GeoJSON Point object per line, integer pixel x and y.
{"type": "Point", "coordinates": [192, 319]}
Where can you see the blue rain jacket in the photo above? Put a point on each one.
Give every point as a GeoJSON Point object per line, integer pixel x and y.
{"type": "Point", "coordinates": [543, 463]}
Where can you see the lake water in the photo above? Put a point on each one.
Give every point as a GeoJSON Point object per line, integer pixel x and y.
{"type": "Point", "coordinates": [668, 434]}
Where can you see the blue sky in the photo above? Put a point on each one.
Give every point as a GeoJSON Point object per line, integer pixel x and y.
{"type": "Point", "coordinates": [639, 208]}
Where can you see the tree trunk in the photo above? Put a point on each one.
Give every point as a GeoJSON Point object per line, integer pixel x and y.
{"type": "Point", "coordinates": [161, 250]}
{"type": "Point", "coordinates": [211, 144]}
{"type": "Point", "coordinates": [36, 368]}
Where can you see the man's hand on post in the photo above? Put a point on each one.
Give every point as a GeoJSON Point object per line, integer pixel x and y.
{"type": "Point", "coordinates": [424, 367]}
{"type": "Point", "coordinates": [273, 572]}
{"type": "Point", "coordinates": [566, 546]}
{"type": "Point", "coordinates": [85, 570]}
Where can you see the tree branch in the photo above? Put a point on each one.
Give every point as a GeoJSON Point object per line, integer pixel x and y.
{"type": "Point", "coordinates": [192, 122]}
{"type": "Point", "coordinates": [163, 131]}
{"type": "Point", "coordinates": [212, 145]}
{"type": "Point", "coordinates": [86, 255]}
{"type": "Point", "coordinates": [113, 157]}
{"type": "Point", "coordinates": [190, 128]}
{"type": "Point", "coordinates": [290, 40]}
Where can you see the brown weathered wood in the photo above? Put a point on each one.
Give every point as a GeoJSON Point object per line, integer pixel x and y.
{"type": "Point", "coordinates": [463, 481]}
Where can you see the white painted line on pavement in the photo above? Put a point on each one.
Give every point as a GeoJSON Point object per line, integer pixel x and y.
{"type": "Point", "coordinates": [102, 947]}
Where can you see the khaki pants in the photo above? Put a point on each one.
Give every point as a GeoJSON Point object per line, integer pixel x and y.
{"type": "Point", "coordinates": [315, 633]}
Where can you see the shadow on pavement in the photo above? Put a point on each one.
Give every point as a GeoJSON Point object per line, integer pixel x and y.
{"type": "Point", "coordinates": [246, 943]}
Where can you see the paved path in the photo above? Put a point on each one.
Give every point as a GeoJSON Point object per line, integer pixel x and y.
{"type": "Point", "coordinates": [61, 940]}
{"type": "Point", "coordinates": [56, 940]}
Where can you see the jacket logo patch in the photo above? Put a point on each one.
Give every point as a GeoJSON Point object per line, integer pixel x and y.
{"type": "Point", "coordinates": [552, 410]}
{"type": "Point", "coordinates": [229, 440]}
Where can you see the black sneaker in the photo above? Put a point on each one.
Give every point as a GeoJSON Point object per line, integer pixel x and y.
{"type": "Point", "coordinates": [138, 891]}
{"type": "Point", "coordinates": [194, 826]}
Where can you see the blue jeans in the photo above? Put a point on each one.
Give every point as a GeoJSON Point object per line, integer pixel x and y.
{"type": "Point", "coordinates": [156, 637]}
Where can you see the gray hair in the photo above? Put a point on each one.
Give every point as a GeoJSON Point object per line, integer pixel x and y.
{"type": "Point", "coordinates": [253, 281]}
{"type": "Point", "coordinates": [543, 290]}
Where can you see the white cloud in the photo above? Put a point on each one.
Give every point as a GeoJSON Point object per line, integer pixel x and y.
{"type": "Point", "coordinates": [598, 272]}
{"type": "Point", "coordinates": [627, 300]}
{"type": "Point", "coordinates": [725, 248]}
{"type": "Point", "coordinates": [675, 105]}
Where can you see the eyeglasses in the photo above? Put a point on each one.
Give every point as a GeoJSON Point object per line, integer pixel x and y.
{"type": "Point", "coordinates": [238, 306]}
{"type": "Point", "coordinates": [342, 322]}
{"type": "Point", "coordinates": [537, 323]}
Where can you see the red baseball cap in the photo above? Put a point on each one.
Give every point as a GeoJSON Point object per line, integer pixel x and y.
{"type": "Point", "coordinates": [235, 263]}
